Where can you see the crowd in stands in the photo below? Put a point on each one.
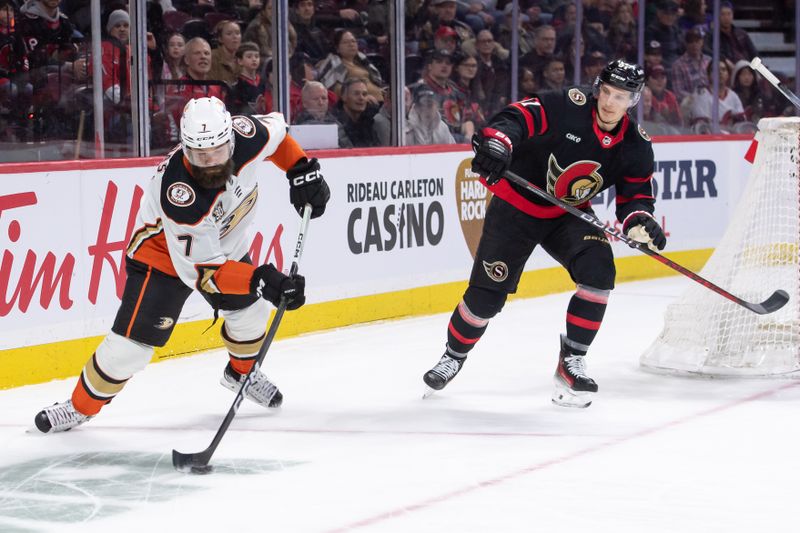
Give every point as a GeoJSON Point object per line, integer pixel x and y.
{"type": "Point", "coordinates": [457, 62]}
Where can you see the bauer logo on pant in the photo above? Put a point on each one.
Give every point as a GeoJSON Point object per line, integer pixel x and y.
{"type": "Point", "coordinates": [497, 270]}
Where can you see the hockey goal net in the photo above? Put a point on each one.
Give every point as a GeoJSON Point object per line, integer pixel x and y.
{"type": "Point", "coordinates": [707, 334]}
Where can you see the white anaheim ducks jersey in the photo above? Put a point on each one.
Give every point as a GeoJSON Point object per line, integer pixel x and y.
{"type": "Point", "coordinates": [199, 234]}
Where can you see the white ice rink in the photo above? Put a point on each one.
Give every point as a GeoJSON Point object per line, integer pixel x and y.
{"type": "Point", "coordinates": [355, 448]}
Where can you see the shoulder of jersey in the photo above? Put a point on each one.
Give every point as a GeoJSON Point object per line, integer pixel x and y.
{"type": "Point", "coordinates": [577, 96]}
{"type": "Point", "coordinates": [638, 133]}
{"type": "Point", "coordinates": [251, 136]}
{"type": "Point", "coordinates": [182, 199]}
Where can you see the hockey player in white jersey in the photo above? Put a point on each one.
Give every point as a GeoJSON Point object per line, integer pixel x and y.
{"type": "Point", "coordinates": [192, 234]}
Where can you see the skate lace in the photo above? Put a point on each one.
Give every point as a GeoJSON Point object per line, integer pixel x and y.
{"type": "Point", "coordinates": [261, 388]}
{"type": "Point", "coordinates": [447, 367]}
{"type": "Point", "coordinates": [576, 365]}
{"type": "Point", "coordinates": [63, 415]}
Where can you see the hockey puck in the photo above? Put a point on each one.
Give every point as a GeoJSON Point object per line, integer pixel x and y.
{"type": "Point", "coordinates": [201, 469]}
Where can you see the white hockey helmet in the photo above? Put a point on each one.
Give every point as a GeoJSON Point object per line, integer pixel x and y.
{"type": "Point", "coordinates": [206, 134]}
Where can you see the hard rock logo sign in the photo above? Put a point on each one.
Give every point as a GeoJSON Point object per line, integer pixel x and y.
{"type": "Point", "coordinates": [472, 199]}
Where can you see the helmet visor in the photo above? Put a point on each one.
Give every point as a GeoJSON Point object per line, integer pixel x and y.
{"type": "Point", "coordinates": [208, 157]}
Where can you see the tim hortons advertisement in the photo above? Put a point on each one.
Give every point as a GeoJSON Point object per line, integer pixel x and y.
{"type": "Point", "coordinates": [394, 222]}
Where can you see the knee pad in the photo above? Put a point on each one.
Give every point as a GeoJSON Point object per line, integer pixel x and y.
{"type": "Point", "coordinates": [120, 357]}
{"type": "Point", "coordinates": [594, 268]}
{"type": "Point", "coordinates": [484, 303]}
{"type": "Point", "coordinates": [247, 324]}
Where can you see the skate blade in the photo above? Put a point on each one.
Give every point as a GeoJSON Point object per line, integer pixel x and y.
{"type": "Point", "coordinates": [428, 392]}
{"type": "Point", "coordinates": [563, 396]}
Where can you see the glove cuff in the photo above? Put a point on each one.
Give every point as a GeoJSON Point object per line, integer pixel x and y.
{"type": "Point", "coordinates": [629, 219]}
{"type": "Point", "coordinates": [499, 135]}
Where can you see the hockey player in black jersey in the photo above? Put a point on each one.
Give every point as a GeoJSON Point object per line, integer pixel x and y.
{"type": "Point", "coordinates": [574, 145]}
{"type": "Point", "coordinates": [192, 233]}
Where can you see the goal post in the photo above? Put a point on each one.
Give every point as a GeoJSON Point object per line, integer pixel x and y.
{"type": "Point", "coordinates": [708, 335]}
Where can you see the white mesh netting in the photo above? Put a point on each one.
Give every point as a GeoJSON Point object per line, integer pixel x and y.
{"type": "Point", "coordinates": [705, 333]}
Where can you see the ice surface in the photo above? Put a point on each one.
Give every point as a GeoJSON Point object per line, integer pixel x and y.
{"type": "Point", "coordinates": [355, 448]}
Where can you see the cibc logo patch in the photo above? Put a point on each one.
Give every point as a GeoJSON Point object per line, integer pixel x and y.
{"type": "Point", "coordinates": [180, 194]}
{"type": "Point", "coordinates": [497, 270]}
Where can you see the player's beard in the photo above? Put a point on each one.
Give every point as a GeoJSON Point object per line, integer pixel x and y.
{"type": "Point", "coordinates": [213, 177]}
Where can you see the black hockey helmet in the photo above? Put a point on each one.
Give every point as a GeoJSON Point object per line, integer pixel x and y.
{"type": "Point", "coordinates": [626, 76]}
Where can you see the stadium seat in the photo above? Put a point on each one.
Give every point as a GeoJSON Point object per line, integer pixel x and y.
{"type": "Point", "coordinates": [174, 20]}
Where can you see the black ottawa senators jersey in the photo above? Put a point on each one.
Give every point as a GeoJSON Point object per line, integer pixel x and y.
{"type": "Point", "coordinates": [558, 147]}
{"type": "Point", "coordinates": [189, 231]}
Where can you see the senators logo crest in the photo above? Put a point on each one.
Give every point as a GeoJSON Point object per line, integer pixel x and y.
{"type": "Point", "coordinates": [577, 97]}
{"type": "Point", "coordinates": [575, 184]}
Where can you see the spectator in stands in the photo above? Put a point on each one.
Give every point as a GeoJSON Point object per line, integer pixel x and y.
{"type": "Point", "coordinates": [446, 38]}
{"type": "Point", "coordinates": [665, 107]}
{"type": "Point", "coordinates": [647, 104]}
{"type": "Point", "coordinates": [174, 48]}
{"type": "Point", "coordinates": [652, 54]}
{"type": "Point", "coordinates": [525, 30]}
{"type": "Point", "coordinates": [591, 66]}
{"type": "Point", "coordinates": [297, 74]}
{"type": "Point", "coordinates": [553, 75]}
{"type": "Point", "coordinates": [310, 38]}
{"type": "Point", "coordinates": [316, 105]}
{"type": "Point", "coordinates": [465, 76]}
{"type": "Point", "coordinates": [244, 95]}
{"type": "Point", "coordinates": [564, 18]}
{"type": "Point", "coordinates": [356, 115]}
{"type": "Point", "coordinates": [757, 102]}
{"type": "Point", "coordinates": [731, 110]}
{"type": "Point", "coordinates": [259, 31]}
{"type": "Point", "coordinates": [665, 30]}
{"type": "Point", "coordinates": [195, 83]}
{"type": "Point", "coordinates": [444, 15]}
{"type": "Point", "coordinates": [347, 62]}
{"type": "Point", "coordinates": [622, 34]}
{"type": "Point", "coordinates": [224, 65]}
{"type": "Point", "coordinates": [695, 17]}
{"type": "Point", "coordinates": [164, 130]}
{"type": "Point", "coordinates": [494, 73]}
{"type": "Point", "coordinates": [116, 78]}
{"type": "Point", "coordinates": [544, 45]}
{"type": "Point", "coordinates": [15, 87]}
{"type": "Point", "coordinates": [48, 36]}
{"type": "Point", "coordinates": [689, 70]}
{"type": "Point", "coordinates": [436, 75]}
{"type": "Point", "coordinates": [528, 87]}
{"type": "Point", "coordinates": [425, 125]}
{"type": "Point", "coordinates": [734, 43]}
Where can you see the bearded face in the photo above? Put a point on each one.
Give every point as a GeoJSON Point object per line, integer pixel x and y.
{"type": "Point", "coordinates": [213, 177]}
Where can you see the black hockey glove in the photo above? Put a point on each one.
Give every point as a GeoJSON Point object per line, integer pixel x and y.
{"type": "Point", "coordinates": [307, 186]}
{"type": "Point", "coordinates": [642, 227]}
{"type": "Point", "coordinates": [492, 154]}
{"type": "Point", "coordinates": [271, 285]}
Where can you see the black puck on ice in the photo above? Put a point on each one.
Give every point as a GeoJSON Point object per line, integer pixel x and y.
{"type": "Point", "coordinates": [201, 469]}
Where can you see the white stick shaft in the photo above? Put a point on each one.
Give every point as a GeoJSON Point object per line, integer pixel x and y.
{"type": "Point", "coordinates": [762, 69]}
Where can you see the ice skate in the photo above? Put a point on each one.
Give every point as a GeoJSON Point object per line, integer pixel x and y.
{"type": "Point", "coordinates": [573, 388]}
{"type": "Point", "coordinates": [261, 390]}
{"type": "Point", "coordinates": [443, 373]}
{"type": "Point", "coordinates": [59, 417]}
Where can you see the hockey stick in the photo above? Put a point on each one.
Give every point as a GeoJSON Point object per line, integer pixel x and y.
{"type": "Point", "coordinates": [197, 463]}
{"type": "Point", "coordinates": [777, 300]}
{"type": "Point", "coordinates": [762, 69]}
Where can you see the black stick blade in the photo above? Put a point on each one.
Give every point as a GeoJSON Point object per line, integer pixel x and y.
{"type": "Point", "coordinates": [191, 463]}
{"type": "Point", "coordinates": [777, 300]}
